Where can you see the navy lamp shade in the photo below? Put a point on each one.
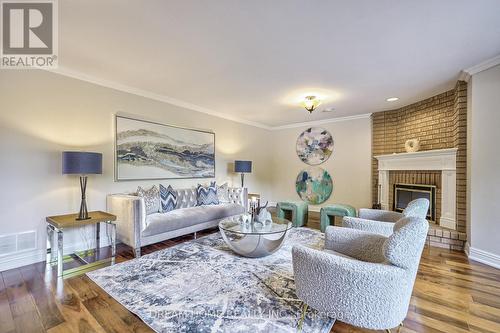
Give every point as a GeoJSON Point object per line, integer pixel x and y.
{"type": "Point", "coordinates": [243, 167]}
{"type": "Point", "coordinates": [82, 163]}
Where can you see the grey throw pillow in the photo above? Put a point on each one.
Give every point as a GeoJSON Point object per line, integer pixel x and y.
{"type": "Point", "coordinates": [151, 198]}
{"type": "Point", "coordinates": [223, 193]}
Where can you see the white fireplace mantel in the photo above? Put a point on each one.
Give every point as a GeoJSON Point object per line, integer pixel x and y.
{"type": "Point", "coordinates": [444, 160]}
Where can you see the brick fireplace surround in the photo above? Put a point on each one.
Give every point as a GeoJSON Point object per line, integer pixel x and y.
{"type": "Point", "coordinates": [439, 122]}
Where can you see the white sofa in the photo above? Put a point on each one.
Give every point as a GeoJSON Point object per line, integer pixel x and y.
{"type": "Point", "coordinates": [137, 229]}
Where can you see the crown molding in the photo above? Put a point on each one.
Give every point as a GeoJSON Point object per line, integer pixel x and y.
{"type": "Point", "coordinates": [173, 101]}
{"type": "Point", "coordinates": [464, 76]}
{"type": "Point", "coordinates": [321, 122]}
{"type": "Point", "coordinates": [483, 66]}
{"type": "Point", "coordinates": [154, 96]}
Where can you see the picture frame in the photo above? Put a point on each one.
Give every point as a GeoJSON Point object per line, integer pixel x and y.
{"type": "Point", "coordinates": [149, 150]}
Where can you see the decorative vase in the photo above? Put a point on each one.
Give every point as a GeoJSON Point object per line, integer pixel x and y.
{"type": "Point", "coordinates": [256, 209]}
{"type": "Point", "coordinates": [412, 145]}
{"type": "Point", "coordinates": [264, 216]}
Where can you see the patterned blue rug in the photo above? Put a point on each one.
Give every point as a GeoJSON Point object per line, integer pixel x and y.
{"type": "Point", "coordinates": [202, 286]}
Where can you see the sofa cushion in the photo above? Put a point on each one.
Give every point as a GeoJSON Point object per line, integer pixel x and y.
{"type": "Point", "coordinates": [186, 217]}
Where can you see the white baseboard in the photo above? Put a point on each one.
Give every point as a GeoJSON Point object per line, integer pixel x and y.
{"type": "Point", "coordinates": [19, 259]}
{"type": "Point", "coordinates": [482, 256]}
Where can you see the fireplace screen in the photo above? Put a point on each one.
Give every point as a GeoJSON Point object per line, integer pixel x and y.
{"type": "Point", "coordinates": [404, 193]}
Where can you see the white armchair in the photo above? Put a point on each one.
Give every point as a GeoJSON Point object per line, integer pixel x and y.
{"type": "Point", "coordinates": [382, 221]}
{"type": "Point", "coordinates": [361, 278]}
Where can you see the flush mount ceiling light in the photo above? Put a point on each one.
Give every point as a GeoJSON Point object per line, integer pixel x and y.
{"type": "Point", "coordinates": [311, 103]}
{"type": "Point", "coordinates": [392, 99]}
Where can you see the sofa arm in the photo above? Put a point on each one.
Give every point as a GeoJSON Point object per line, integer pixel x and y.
{"type": "Point", "coordinates": [377, 227]}
{"type": "Point", "coordinates": [130, 217]}
{"type": "Point", "coordinates": [379, 215]}
{"type": "Point", "coordinates": [369, 295]}
{"type": "Point", "coordinates": [359, 244]}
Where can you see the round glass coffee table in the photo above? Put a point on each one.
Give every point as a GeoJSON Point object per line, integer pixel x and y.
{"type": "Point", "coordinates": [254, 239]}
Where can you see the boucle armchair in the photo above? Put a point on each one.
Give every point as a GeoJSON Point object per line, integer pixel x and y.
{"type": "Point", "coordinates": [382, 221]}
{"type": "Point", "coordinates": [361, 278]}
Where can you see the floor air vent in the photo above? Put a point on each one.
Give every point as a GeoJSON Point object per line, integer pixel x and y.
{"type": "Point", "coordinates": [17, 242]}
{"type": "Point", "coordinates": [8, 244]}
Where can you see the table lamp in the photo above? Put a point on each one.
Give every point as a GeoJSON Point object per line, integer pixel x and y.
{"type": "Point", "coordinates": [83, 164]}
{"type": "Point", "coordinates": [243, 167]}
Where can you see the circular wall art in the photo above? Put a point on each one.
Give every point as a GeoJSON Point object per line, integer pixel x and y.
{"type": "Point", "coordinates": [314, 185]}
{"type": "Point", "coordinates": [314, 145]}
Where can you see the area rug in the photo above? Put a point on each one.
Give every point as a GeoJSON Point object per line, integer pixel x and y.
{"type": "Point", "coordinates": [202, 286]}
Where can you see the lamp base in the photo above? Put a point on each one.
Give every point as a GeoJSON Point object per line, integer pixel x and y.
{"type": "Point", "coordinates": [83, 214]}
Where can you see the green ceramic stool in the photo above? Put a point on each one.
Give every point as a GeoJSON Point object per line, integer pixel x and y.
{"type": "Point", "coordinates": [299, 211]}
{"type": "Point", "coordinates": [335, 210]}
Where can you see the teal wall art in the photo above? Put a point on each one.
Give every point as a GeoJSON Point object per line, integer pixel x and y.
{"type": "Point", "coordinates": [314, 185]}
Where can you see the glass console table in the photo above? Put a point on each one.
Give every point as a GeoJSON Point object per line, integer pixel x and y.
{"type": "Point", "coordinates": [57, 225]}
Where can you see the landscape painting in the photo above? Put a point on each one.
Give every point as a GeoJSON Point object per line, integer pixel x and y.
{"type": "Point", "coordinates": [148, 150]}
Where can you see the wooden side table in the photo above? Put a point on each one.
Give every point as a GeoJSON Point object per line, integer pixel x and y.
{"type": "Point", "coordinates": [56, 225]}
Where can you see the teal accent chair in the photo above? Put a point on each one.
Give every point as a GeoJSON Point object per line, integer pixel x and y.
{"type": "Point", "coordinates": [299, 209]}
{"type": "Point", "coordinates": [335, 210]}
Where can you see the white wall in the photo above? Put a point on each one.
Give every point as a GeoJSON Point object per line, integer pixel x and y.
{"type": "Point", "coordinates": [349, 165]}
{"type": "Point", "coordinates": [484, 165]}
{"type": "Point", "coordinates": [43, 114]}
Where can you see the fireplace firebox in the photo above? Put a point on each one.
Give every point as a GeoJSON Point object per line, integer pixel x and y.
{"type": "Point", "coordinates": [404, 193]}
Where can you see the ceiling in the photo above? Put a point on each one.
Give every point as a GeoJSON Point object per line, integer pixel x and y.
{"type": "Point", "coordinates": [254, 60]}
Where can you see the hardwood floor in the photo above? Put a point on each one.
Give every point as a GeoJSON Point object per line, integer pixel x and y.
{"type": "Point", "coordinates": [451, 294]}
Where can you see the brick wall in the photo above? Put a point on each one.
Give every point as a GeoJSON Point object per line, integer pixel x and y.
{"type": "Point", "coordinates": [439, 122]}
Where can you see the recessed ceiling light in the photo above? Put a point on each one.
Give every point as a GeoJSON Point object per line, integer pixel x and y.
{"type": "Point", "coordinates": [392, 99]}
{"type": "Point", "coordinates": [328, 110]}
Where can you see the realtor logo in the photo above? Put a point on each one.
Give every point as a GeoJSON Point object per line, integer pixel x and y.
{"type": "Point", "coordinates": [29, 34]}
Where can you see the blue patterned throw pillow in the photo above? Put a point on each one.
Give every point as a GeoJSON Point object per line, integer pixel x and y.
{"type": "Point", "coordinates": [207, 195]}
{"type": "Point", "coordinates": [168, 198]}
